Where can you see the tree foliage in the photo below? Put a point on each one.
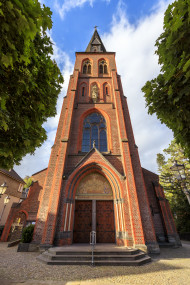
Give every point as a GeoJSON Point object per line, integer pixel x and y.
{"type": "Point", "coordinates": [168, 95]}
{"type": "Point", "coordinates": [172, 187]}
{"type": "Point", "coordinates": [27, 234]}
{"type": "Point", "coordinates": [30, 79]}
{"type": "Point", "coordinates": [28, 182]}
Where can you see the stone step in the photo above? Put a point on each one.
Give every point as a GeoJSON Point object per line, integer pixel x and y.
{"type": "Point", "coordinates": [13, 243]}
{"type": "Point", "coordinates": [96, 257]}
{"type": "Point", "coordinates": [96, 252]}
{"type": "Point", "coordinates": [114, 257]}
{"type": "Point", "coordinates": [167, 244]}
{"type": "Point", "coordinates": [112, 262]}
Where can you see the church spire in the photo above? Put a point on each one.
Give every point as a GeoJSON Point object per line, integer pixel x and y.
{"type": "Point", "coordinates": [95, 44]}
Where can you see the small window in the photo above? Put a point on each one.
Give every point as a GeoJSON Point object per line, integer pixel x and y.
{"type": "Point", "coordinates": [89, 69]}
{"type": "Point", "coordinates": [20, 188]}
{"type": "Point", "coordinates": [103, 68]}
{"type": "Point", "coordinates": [83, 89]}
{"type": "Point", "coordinates": [106, 90]}
{"type": "Point", "coordinates": [86, 67]}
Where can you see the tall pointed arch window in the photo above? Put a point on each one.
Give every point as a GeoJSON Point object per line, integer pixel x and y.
{"type": "Point", "coordinates": [84, 68]}
{"type": "Point", "coordinates": [94, 129]}
{"type": "Point", "coordinates": [103, 68]}
{"type": "Point", "coordinates": [87, 67]}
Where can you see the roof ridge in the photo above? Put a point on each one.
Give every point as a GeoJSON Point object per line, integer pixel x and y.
{"type": "Point", "coordinates": [13, 174]}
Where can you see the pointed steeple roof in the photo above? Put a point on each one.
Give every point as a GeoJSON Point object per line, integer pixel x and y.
{"type": "Point", "coordinates": [95, 44]}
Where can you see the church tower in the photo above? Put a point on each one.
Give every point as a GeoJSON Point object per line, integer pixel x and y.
{"type": "Point", "coordinates": [94, 179]}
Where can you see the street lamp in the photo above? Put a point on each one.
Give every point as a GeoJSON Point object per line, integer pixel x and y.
{"type": "Point", "coordinates": [3, 188]}
{"type": "Point", "coordinates": [179, 172]}
{"type": "Point", "coordinates": [6, 201]}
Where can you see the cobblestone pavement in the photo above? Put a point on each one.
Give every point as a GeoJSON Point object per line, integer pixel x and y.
{"type": "Point", "coordinates": [172, 266]}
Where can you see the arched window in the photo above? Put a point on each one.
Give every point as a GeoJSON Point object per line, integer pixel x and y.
{"type": "Point", "coordinates": [86, 67]}
{"type": "Point", "coordinates": [94, 129]}
{"type": "Point", "coordinates": [83, 89]}
{"type": "Point", "coordinates": [89, 69]}
{"type": "Point", "coordinates": [103, 68]}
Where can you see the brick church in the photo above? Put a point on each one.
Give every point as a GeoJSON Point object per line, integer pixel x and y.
{"type": "Point", "coordinates": [94, 180]}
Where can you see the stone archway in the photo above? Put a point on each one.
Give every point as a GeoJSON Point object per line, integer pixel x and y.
{"type": "Point", "coordinates": [94, 210]}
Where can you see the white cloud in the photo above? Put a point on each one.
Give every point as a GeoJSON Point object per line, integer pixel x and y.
{"type": "Point", "coordinates": [67, 5]}
{"type": "Point", "coordinates": [137, 63]}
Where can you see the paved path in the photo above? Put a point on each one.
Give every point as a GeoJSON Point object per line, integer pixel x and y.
{"type": "Point", "coordinates": [172, 266]}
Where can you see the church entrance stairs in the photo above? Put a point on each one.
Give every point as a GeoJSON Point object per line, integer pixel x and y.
{"type": "Point", "coordinates": [104, 254]}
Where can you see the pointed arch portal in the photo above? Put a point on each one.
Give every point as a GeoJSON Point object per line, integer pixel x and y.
{"type": "Point", "coordinates": [94, 210]}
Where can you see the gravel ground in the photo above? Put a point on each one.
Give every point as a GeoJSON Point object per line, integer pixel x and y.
{"type": "Point", "coordinates": [172, 266]}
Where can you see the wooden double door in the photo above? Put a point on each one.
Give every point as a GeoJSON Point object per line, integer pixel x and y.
{"type": "Point", "coordinates": [94, 215]}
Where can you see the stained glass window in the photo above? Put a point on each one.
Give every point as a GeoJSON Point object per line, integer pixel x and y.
{"type": "Point", "coordinates": [94, 129]}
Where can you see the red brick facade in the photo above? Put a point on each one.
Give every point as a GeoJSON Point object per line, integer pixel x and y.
{"type": "Point", "coordinates": [134, 196]}
{"type": "Point", "coordinates": [26, 211]}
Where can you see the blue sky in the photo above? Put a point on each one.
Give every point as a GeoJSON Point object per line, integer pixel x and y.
{"type": "Point", "coordinates": [128, 27]}
{"type": "Point", "coordinates": [73, 29]}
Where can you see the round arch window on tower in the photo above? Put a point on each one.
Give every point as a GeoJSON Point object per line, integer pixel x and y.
{"type": "Point", "coordinates": [94, 129]}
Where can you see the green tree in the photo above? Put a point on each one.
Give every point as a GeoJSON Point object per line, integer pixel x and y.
{"type": "Point", "coordinates": [172, 187]}
{"type": "Point", "coordinates": [30, 79]}
{"type": "Point", "coordinates": [28, 180]}
{"type": "Point", "coordinates": [168, 95]}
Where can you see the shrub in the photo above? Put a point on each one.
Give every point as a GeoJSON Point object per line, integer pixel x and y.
{"type": "Point", "coordinates": [27, 234]}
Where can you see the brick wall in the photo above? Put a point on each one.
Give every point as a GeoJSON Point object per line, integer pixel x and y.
{"type": "Point", "coordinates": [150, 178]}
{"type": "Point", "coordinates": [122, 156]}
{"type": "Point", "coordinates": [135, 224]}
{"type": "Point", "coordinates": [162, 217]}
{"type": "Point", "coordinates": [29, 206]}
